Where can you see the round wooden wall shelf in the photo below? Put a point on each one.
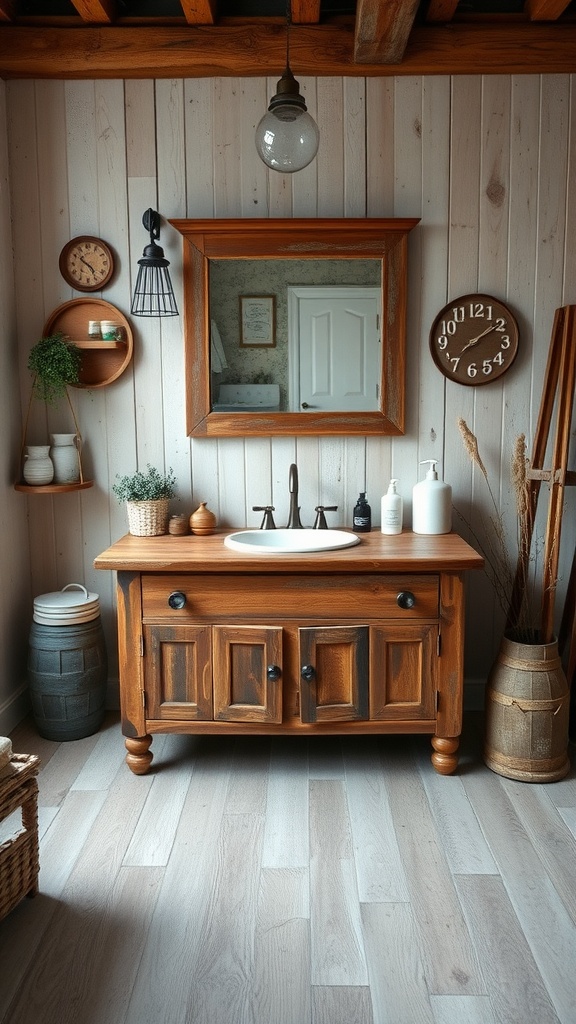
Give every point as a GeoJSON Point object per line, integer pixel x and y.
{"type": "Point", "coordinates": [102, 361]}
{"type": "Point", "coordinates": [53, 488]}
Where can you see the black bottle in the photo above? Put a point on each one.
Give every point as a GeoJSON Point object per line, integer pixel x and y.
{"type": "Point", "coordinates": [362, 517]}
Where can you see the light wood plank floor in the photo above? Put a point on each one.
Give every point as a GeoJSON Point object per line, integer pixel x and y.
{"type": "Point", "coordinates": [287, 881]}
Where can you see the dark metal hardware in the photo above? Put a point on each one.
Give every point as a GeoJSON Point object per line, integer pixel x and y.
{"type": "Point", "coordinates": [405, 599]}
{"type": "Point", "coordinates": [177, 599]}
{"type": "Point", "coordinates": [273, 672]}
{"type": "Point", "coordinates": [268, 519]}
{"type": "Point", "coordinates": [320, 521]}
{"type": "Point", "coordinates": [294, 522]}
{"type": "Point", "coordinates": [308, 672]}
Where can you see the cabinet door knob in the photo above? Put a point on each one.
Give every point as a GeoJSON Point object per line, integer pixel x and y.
{"type": "Point", "coordinates": [307, 672]}
{"type": "Point", "coordinates": [405, 599]}
{"type": "Point", "coordinates": [177, 599]}
{"type": "Point", "coordinates": [273, 672]}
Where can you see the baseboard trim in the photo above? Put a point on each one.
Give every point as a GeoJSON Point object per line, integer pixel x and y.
{"type": "Point", "coordinates": [15, 708]}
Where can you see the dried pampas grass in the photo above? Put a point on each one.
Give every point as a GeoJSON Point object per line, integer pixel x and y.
{"type": "Point", "coordinates": [513, 585]}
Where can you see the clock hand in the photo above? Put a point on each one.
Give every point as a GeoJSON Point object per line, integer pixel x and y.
{"type": "Point", "coordinates": [85, 262]}
{"type": "Point", "coordinates": [474, 341]}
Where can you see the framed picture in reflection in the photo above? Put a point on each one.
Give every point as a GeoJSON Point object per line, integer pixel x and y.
{"type": "Point", "coordinates": [257, 321]}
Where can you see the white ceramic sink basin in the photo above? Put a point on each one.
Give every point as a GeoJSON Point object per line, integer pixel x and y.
{"type": "Point", "coordinates": [277, 542]}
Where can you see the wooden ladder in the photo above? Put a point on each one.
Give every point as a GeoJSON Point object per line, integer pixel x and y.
{"type": "Point", "coordinates": [558, 391]}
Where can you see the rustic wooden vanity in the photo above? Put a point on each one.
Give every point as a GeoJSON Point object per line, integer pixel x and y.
{"type": "Point", "coordinates": [369, 639]}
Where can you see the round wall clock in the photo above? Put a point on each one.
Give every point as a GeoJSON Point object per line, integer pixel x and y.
{"type": "Point", "coordinates": [474, 339]}
{"type": "Point", "coordinates": [86, 263]}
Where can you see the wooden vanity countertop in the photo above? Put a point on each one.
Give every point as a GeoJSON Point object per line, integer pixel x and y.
{"type": "Point", "coordinates": [376, 552]}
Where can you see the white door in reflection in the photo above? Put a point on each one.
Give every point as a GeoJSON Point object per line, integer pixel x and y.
{"type": "Point", "coordinates": [335, 351]}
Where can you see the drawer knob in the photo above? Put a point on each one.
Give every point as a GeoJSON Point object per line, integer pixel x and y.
{"type": "Point", "coordinates": [177, 599]}
{"type": "Point", "coordinates": [307, 672]}
{"type": "Point", "coordinates": [405, 599]}
{"type": "Point", "coordinates": [273, 672]}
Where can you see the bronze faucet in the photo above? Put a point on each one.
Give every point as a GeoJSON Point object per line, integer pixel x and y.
{"type": "Point", "coordinates": [294, 517]}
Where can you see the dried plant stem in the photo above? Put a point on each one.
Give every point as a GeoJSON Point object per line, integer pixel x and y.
{"type": "Point", "coordinates": [514, 587]}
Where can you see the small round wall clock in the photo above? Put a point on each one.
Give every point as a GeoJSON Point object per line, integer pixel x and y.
{"type": "Point", "coordinates": [474, 339]}
{"type": "Point", "coordinates": [86, 263]}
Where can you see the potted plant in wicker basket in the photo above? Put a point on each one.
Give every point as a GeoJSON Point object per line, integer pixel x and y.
{"type": "Point", "coordinates": [147, 497]}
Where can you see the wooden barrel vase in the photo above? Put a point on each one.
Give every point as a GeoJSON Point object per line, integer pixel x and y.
{"type": "Point", "coordinates": [527, 711]}
{"type": "Point", "coordinates": [67, 675]}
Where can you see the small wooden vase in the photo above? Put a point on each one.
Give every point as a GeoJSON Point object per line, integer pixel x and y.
{"type": "Point", "coordinates": [202, 521]}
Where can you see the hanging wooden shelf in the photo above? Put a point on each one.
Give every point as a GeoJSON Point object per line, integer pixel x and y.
{"type": "Point", "coordinates": [53, 488]}
{"type": "Point", "coordinates": [102, 361]}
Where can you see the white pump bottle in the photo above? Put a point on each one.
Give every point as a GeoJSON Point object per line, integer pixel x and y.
{"type": "Point", "coordinates": [391, 509]}
{"type": "Point", "coordinates": [431, 503]}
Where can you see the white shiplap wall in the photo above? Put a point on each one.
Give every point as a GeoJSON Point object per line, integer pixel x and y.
{"type": "Point", "coordinates": [487, 163]}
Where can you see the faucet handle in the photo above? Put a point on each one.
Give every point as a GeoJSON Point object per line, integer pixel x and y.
{"type": "Point", "coordinates": [268, 519]}
{"type": "Point", "coordinates": [320, 521]}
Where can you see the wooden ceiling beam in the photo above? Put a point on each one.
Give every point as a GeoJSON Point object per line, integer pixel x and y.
{"type": "Point", "coordinates": [199, 12]}
{"type": "Point", "coordinates": [382, 31]}
{"type": "Point", "coordinates": [305, 12]}
{"type": "Point", "coordinates": [441, 10]}
{"type": "Point", "coordinates": [8, 9]}
{"type": "Point", "coordinates": [254, 50]}
{"type": "Point", "coordinates": [97, 12]}
{"type": "Point", "coordinates": [545, 10]}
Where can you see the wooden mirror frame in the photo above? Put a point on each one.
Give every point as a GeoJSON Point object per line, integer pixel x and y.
{"type": "Point", "coordinates": [372, 238]}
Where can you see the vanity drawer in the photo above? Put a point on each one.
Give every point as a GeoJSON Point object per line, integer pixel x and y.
{"type": "Point", "coordinates": [269, 597]}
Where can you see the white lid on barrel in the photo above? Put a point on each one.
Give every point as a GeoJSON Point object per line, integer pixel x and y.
{"type": "Point", "coordinates": [65, 607]}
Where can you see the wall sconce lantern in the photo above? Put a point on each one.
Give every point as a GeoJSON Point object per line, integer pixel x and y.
{"type": "Point", "coordinates": [153, 293]}
{"type": "Point", "coordinates": [287, 137]}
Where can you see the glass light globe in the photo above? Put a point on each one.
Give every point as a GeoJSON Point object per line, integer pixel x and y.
{"type": "Point", "coordinates": [287, 137]}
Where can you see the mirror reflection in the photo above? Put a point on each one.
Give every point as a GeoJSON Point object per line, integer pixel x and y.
{"type": "Point", "coordinates": [288, 335]}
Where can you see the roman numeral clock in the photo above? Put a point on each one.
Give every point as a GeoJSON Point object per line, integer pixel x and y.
{"type": "Point", "coordinates": [474, 340]}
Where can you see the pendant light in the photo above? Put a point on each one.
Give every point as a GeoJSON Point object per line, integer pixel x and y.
{"type": "Point", "coordinates": [153, 294]}
{"type": "Point", "coordinates": [287, 137]}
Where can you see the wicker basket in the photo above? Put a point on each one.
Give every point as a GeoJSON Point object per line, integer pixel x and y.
{"type": "Point", "coordinates": [148, 518]}
{"type": "Point", "coordinates": [19, 858]}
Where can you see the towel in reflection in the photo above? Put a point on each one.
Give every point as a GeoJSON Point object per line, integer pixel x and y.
{"type": "Point", "coordinates": [217, 354]}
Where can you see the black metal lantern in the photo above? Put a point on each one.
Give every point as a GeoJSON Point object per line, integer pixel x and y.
{"type": "Point", "coordinates": [153, 293]}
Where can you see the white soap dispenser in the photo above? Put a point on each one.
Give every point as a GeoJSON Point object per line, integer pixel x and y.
{"type": "Point", "coordinates": [391, 508]}
{"type": "Point", "coordinates": [431, 503]}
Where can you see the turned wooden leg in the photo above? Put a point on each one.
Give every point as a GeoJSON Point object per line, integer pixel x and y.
{"type": "Point", "coordinates": [139, 757]}
{"type": "Point", "coordinates": [445, 756]}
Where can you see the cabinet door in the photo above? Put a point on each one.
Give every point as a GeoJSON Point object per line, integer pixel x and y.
{"type": "Point", "coordinates": [334, 673]}
{"type": "Point", "coordinates": [178, 673]}
{"type": "Point", "coordinates": [403, 671]}
{"type": "Point", "coordinates": [247, 673]}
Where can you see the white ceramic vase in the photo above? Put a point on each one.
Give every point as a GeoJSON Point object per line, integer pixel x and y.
{"type": "Point", "coordinates": [38, 468]}
{"type": "Point", "coordinates": [64, 455]}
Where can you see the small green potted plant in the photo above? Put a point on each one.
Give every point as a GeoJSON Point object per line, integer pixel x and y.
{"type": "Point", "coordinates": [54, 363]}
{"type": "Point", "coordinates": [147, 496]}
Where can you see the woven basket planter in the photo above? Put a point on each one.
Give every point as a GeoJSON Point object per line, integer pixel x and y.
{"type": "Point", "coordinates": [148, 518]}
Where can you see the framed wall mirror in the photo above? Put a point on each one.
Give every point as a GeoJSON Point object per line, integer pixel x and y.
{"type": "Point", "coordinates": [295, 326]}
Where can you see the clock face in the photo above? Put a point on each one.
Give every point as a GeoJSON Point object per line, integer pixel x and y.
{"type": "Point", "coordinates": [86, 263]}
{"type": "Point", "coordinates": [474, 340]}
